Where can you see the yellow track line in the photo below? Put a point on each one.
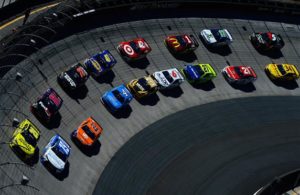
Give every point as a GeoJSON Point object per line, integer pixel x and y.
{"type": "Point", "coordinates": [32, 12]}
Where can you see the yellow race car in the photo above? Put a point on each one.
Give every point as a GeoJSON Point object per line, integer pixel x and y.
{"type": "Point", "coordinates": [282, 71]}
{"type": "Point", "coordinates": [142, 87]}
{"type": "Point", "coordinates": [25, 138]}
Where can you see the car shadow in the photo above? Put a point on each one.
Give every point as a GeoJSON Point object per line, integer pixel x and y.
{"type": "Point", "coordinates": [187, 57]}
{"type": "Point", "coordinates": [249, 87]}
{"type": "Point", "coordinates": [174, 92]}
{"type": "Point", "coordinates": [76, 94]}
{"type": "Point", "coordinates": [106, 77]}
{"type": "Point", "coordinates": [291, 85]}
{"type": "Point", "coordinates": [60, 176]}
{"type": "Point", "coordinates": [122, 113]}
{"type": "Point", "coordinates": [222, 50]}
{"type": "Point", "coordinates": [53, 123]}
{"type": "Point", "coordinates": [87, 150]}
{"type": "Point", "coordinates": [141, 63]}
{"type": "Point", "coordinates": [274, 54]}
{"type": "Point", "coordinates": [150, 100]}
{"type": "Point", "coordinates": [31, 161]}
{"type": "Point", "coordinates": [207, 86]}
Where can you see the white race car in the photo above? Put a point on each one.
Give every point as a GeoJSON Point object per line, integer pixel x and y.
{"type": "Point", "coordinates": [168, 79]}
{"type": "Point", "coordinates": [216, 37]}
{"type": "Point", "coordinates": [56, 153]}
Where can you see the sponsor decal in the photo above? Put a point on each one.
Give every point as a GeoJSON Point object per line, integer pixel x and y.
{"type": "Point", "coordinates": [175, 42]}
{"type": "Point", "coordinates": [174, 74]}
{"type": "Point", "coordinates": [107, 58]}
{"type": "Point", "coordinates": [128, 50]}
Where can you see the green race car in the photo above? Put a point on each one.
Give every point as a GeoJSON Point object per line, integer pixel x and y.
{"type": "Point", "coordinates": [198, 73]}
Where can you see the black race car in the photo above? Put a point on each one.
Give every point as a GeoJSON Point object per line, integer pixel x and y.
{"type": "Point", "coordinates": [47, 105]}
{"type": "Point", "coordinates": [266, 41]}
{"type": "Point", "coordinates": [73, 78]}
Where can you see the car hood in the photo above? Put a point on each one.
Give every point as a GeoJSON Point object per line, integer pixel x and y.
{"type": "Point", "coordinates": [208, 36]}
{"type": "Point", "coordinates": [161, 79]}
{"type": "Point", "coordinates": [83, 137]}
{"type": "Point", "coordinates": [232, 73]}
{"type": "Point", "coordinates": [20, 142]}
{"type": "Point", "coordinates": [192, 73]}
{"type": "Point", "coordinates": [112, 100]}
{"type": "Point", "coordinates": [54, 160]}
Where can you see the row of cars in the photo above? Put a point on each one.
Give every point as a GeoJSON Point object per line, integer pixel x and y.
{"type": "Point", "coordinates": [56, 152]}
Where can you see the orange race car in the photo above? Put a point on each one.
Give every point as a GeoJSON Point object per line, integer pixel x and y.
{"type": "Point", "coordinates": [88, 132]}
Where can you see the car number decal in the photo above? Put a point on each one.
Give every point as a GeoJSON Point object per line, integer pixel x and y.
{"type": "Point", "coordinates": [128, 50]}
{"type": "Point", "coordinates": [188, 39]}
{"type": "Point", "coordinates": [174, 74]}
{"type": "Point", "coordinates": [245, 70]}
{"type": "Point", "coordinates": [141, 44]}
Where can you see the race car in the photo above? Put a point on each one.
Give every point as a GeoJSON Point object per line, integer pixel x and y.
{"type": "Point", "coordinates": [239, 74]}
{"type": "Point", "coordinates": [25, 138]}
{"type": "Point", "coordinates": [181, 43]}
{"type": "Point", "coordinates": [198, 73]}
{"type": "Point", "coordinates": [216, 37]}
{"type": "Point", "coordinates": [88, 132]}
{"type": "Point", "coordinates": [47, 105]}
{"type": "Point", "coordinates": [142, 87]}
{"type": "Point", "coordinates": [282, 71]}
{"type": "Point", "coordinates": [134, 49]}
{"type": "Point", "coordinates": [55, 154]}
{"type": "Point", "coordinates": [266, 41]}
{"type": "Point", "coordinates": [168, 79]}
{"type": "Point", "coordinates": [117, 98]}
{"type": "Point", "coordinates": [100, 63]}
{"type": "Point", "coordinates": [73, 78]}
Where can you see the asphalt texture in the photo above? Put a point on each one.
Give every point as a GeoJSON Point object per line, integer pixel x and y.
{"type": "Point", "coordinates": [227, 147]}
{"type": "Point", "coordinates": [40, 71]}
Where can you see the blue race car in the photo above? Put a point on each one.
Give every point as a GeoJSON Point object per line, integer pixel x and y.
{"type": "Point", "coordinates": [100, 63]}
{"type": "Point", "coordinates": [117, 98]}
{"type": "Point", "coordinates": [56, 153]}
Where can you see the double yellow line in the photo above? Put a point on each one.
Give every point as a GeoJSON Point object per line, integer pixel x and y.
{"type": "Point", "coordinates": [32, 12]}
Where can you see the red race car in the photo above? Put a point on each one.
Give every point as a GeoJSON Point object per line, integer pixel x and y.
{"type": "Point", "coordinates": [239, 74]}
{"type": "Point", "coordinates": [134, 49]}
{"type": "Point", "coordinates": [181, 43]}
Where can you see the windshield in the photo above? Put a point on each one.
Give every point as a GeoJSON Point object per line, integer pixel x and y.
{"type": "Point", "coordinates": [59, 153]}
{"type": "Point", "coordinates": [87, 130]}
{"type": "Point", "coordinates": [134, 47]}
{"type": "Point", "coordinates": [266, 38]}
{"type": "Point", "coordinates": [220, 35]}
{"type": "Point", "coordinates": [30, 139]}
{"type": "Point", "coordinates": [238, 71]}
{"type": "Point", "coordinates": [168, 76]}
{"type": "Point", "coordinates": [144, 84]}
{"type": "Point", "coordinates": [181, 40]}
{"type": "Point", "coordinates": [99, 59]}
{"type": "Point", "coordinates": [118, 95]}
{"type": "Point", "coordinates": [281, 69]}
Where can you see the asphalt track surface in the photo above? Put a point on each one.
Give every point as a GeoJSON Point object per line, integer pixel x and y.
{"type": "Point", "coordinates": [86, 168]}
{"type": "Point", "coordinates": [217, 148]}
